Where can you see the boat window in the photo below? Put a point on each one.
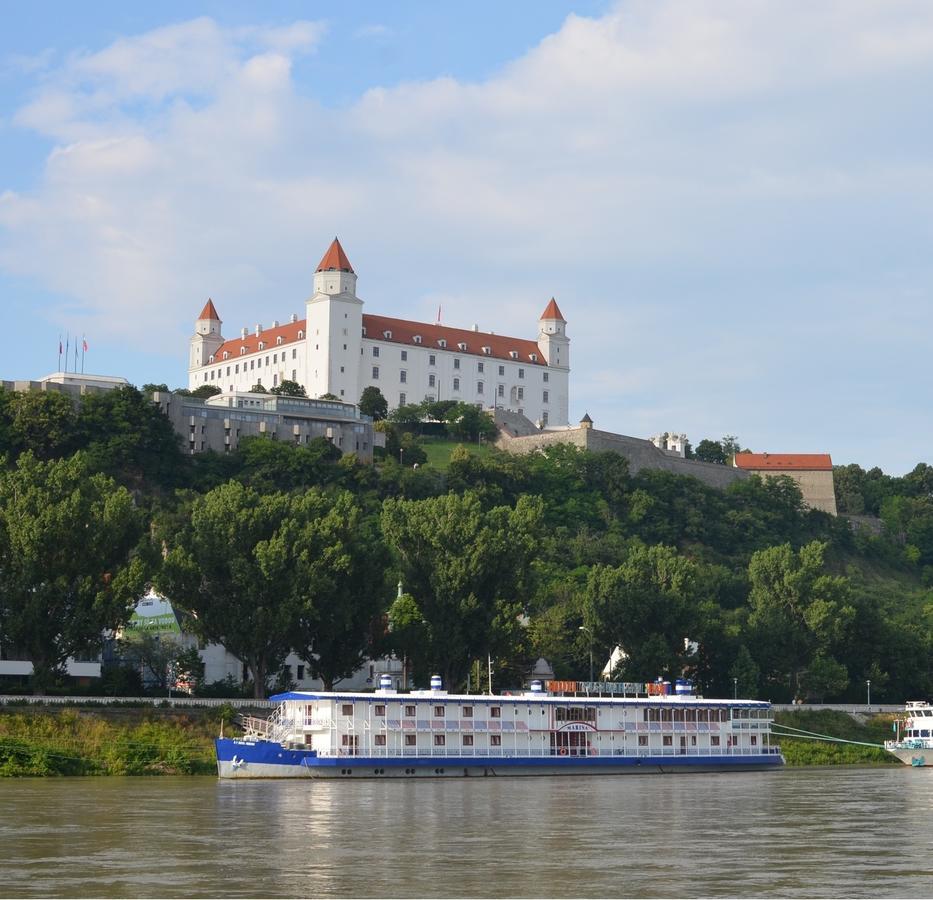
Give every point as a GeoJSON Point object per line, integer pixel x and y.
{"type": "Point", "coordinates": [440, 740]}
{"type": "Point", "coordinates": [668, 740]}
{"type": "Point", "coordinates": [439, 712]}
{"type": "Point", "coordinates": [380, 740]}
{"type": "Point", "coordinates": [723, 715]}
{"type": "Point", "coordinates": [409, 710]}
{"type": "Point", "coordinates": [410, 740]}
{"type": "Point", "coordinates": [678, 715]}
{"type": "Point", "coordinates": [495, 740]}
{"type": "Point", "coordinates": [467, 712]}
{"type": "Point", "coordinates": [495, 712]}
{"type": "Point", "coordinates": [665, 715]}
{"type": "Point", "coordinates": [690, 715]}
{"type": "Point", "coordinates": [754, 739]}
{"type": "Point", "coordinates": [714, 740]}
{"type": "Point", "coordinates": [380, 710]}
{"type": "Point", "coordinates": [347, 709]}
{"type": "Point", "coordinates": [468, 740]}
{"type": "Point", "coordinates": [643, 740]}
{"type": "Point", "coordinates": [702, 715]}
{"type": "Point", "coordinates": [575, 713]}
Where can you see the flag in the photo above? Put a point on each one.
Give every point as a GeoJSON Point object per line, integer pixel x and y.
{"type": "Point", "coordinates": [438, 315]}
{"type": "Point", "coordinates": [59, 346]}
{"type": "Point", "coordinates": [84, 345]}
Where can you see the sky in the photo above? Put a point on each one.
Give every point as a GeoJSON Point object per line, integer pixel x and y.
{"type": "Point", "coordinates": [731, 200]}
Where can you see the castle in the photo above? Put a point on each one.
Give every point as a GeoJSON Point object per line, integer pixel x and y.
{"type": "Point", "coordinates": [338, 349]}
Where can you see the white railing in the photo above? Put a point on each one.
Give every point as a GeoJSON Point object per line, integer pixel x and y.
{"type": "Point", "coordinates": [181, 701]}
{"type": "Point", "coordinates": [532, 753]}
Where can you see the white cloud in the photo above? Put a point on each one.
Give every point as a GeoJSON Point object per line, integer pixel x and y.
{"type": "Point", "coordinates": [672, 171]}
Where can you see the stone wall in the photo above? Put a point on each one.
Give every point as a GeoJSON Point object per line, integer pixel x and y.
{"type": "Point", "coordinates": [816, 486]}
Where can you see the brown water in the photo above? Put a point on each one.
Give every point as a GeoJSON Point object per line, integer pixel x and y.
{"type": "Point", "coordinates": [795, 833]}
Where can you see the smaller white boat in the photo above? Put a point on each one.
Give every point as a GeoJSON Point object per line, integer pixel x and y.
{"type": "Point", "coordinates": [914, 743]}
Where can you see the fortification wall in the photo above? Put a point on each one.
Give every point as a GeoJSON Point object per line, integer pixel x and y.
{"type": "Point", "coordinates": [816, 487]}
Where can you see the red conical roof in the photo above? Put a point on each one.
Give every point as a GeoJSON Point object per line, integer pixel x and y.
{"type": "Point", "coordinates": [209, 312]}
{"type": "Point", "coordinates": [334, 259]}
{"type": "Point", "coordinates": [552, 312]}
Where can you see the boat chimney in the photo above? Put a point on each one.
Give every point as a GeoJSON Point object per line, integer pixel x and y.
{"type": "Point", "coordinates": [436, 683]}
{"type": "Point", "coordinates": [385, 684]}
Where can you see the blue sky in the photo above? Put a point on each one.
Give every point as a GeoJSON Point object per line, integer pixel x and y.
{"type": "Point", "coordinates": [730, 199]}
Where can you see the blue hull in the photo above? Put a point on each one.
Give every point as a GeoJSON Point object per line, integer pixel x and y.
{"type": "Point", "coordinates": [264, 759]}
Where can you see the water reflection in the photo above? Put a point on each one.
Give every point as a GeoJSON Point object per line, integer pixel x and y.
{"type": "Point", "coordinates": [791, 833]}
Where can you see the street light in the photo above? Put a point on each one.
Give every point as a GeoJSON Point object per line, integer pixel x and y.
{"type": "Point", "coordinates": [401, 455]}
{"type": "Point", "coordinates": [868, 686]}
{"type": "Point", "coordinates": [590, 633]}
{"type": "Point", "coordinates": [735, 688]}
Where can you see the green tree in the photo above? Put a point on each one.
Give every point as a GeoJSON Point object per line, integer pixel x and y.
{"type": "Point", "coordinates": [233, 571]}
{"type": "Point", "coordinates": [710, 451]}
{"type": "Point", "coordinates": [257, 388]}
{"type": "Point", "coordinates": [68, 569]}
{"type": "Point", "coordinates": [328, 396]}
{"type": "Point", "coordinates": [746, 673]}
{"type": "Point", "coordinates": [289, 388]}
{"type": "Point", "coordinates": [372, 403]}
{"type": "Point", "coordinates": [467, 422]}
{"type": "Point", "coordinates": [339, 560]}
{"type": "Point", "coordinates": [407, 635]}
{"type": "Point", "coordinates": [207, 390]}
{"type": "Point", "coordinates": [407, 416]}
{"type": "Point", "coordinates": [42, 422]}
{"type": "Point", "coordinates": [824, 677]}
{"type": "Point", "coordinates": [468, 570]}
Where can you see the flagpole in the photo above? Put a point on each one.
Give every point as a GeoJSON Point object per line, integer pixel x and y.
{"type": "Point", "coordinates": [67, 348]}
{"type": "Point", "coordinates": [76, 353]}
{"type": "Point", "coordinates": [59, 353]}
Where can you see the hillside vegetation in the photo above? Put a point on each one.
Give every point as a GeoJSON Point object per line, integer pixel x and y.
{"type": "Point", "coordinates": [560, 554]}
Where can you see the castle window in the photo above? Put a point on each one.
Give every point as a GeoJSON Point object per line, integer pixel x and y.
{"type": "Point", "coordinates": [376, 352]}
{"type": "Point", "coordinates": [546, 378]}
{"type": "Point", "coordinates": [403, 376]}
{"type": "Point", "coordinates": [228, 371]}
{"type": "Point", "coordinates": [521, 393]}
{"type": "Point", "coordinates": [375, 373]}
{"type": "Point", "coordinates": [252, 364]}
{"type": "Point", "coordinates": [226, 354]}
{"type": "Point", "coordinates": [432, 360]}
{"type": "Point", "coordinates": [456, 384]}
{"type": "Point", "coordinates": [456, 363]}
{"type": "Point", "coordinates": [404, 356]}
{"type": "Point", "coordinates": [402, 399]}
{"type": "Point", "coordinates": [544, 418]}
{"type": "Point", "coordinates": [501, 391]}
{"type": "Point", "coordinates": [521, 373]}
{"type": "Point", "coordinates": [294, 353]}
{"type": "Point", "coordinates": [545, 397]}
{"type": "Point", "coordinates": [487, 350]}
{"type": "Point", "coordinates": [479, 367]}
{"type": "Point", "coordinates": [236, 369]}
{"type": "Point", "coordinates": [417, 338]}
{"type": "Point", "coordinates": [210, 359]}
{"type": "Point", "coordinates": [501, 371]}
{"type": "Point", "coordinates": [301, 335]}
{"type": "Point", "coordinates": [262, 345]}
{"type": "Point", "coordinates": [513, 354]}
{"type": "Point", "coordinates": [242, 350]}
{"type": "Point", "coordinates": [442, 343]}
{"type": "Point", "coordinates": [278, 341]}
{"type": "Point", "coordinates": [462, 345]}
{"type": "Point", "coordinates": [275, 358]}
{"type": "Point", "coordinates": [534, 357]}
{"type": "Point", "coordinates": [479, 387]}
{"type": "Point", "coordinates": [431, 380]}
{"type": "Point", "coordinates": [387, 335]}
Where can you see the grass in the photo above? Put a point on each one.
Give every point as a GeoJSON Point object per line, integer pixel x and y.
{"type": "Point", "coordinates": [439, 451]}
{"type": "Point", "coordinates": [835, 724]}
{"type": "Point", "coordinates": [108, 742]}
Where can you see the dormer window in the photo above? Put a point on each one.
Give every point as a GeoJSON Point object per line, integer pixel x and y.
{"type": "Point", "coordinates": [487, 350]}
{"type": "Point", "coordinates": [513, 354]}
{"type": "Point", "coordinates": [533, 357]}
{"type": "Point", "coordinates": [226, 354]}
{"type": "Point", "coordinates": [301, 335]}
{"type": "Point", "coordinates": [242, 350]}
{"type": "Point", "coordinates": [262, 345]}
{"type": "Point", "coordinates": [387, 335]}
{"type": "Point", "coordinates": [461, 346]}
{"type": "Point", "coordinates": [278, 341]}
{"type": "Point", "coordinates": [417, 338]}
{"type": "Point", "coordinates": [442, 343]}
{"type": "Point", "coordinates": [210, 358]}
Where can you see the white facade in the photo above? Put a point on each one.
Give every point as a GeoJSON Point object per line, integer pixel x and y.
{"type": "Point", "coordinates": [340, 350]}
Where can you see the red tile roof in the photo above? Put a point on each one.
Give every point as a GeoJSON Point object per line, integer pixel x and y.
{"type": "Point", "coordinates": [784, 461]}
{"type": "Point", "coordinates": [334, 259]}
{"type": "Point", "coordinates": [551, 311]}
{"type": "Point", "coordinates": [500, 346]}
{"type": "Point", "coordinates": [209, 312]}
{"type": "Point", "coordinates": [403, 332]}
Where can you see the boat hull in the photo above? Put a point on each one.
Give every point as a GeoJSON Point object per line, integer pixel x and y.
{"type": "Point", "coordinates": [265, 759]}
{"type": "Point", "coordinates": [911, 756]}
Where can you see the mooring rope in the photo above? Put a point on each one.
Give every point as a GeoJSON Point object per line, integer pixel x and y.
{"type": "Point", "coordinates": [816, 736]}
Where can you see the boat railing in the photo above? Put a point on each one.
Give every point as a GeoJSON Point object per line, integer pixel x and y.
{"type": "Point", "coordinates": [548, 753]}
{"type": "Point", "coordinates": [274, 728]}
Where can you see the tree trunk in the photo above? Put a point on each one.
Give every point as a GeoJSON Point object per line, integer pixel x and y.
{"type": "Point", "coordinates": [258, 670]}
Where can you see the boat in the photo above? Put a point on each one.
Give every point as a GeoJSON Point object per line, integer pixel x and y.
{"type": "Point", "coordinates": [913, 745]}
{"type": "Point", "coordinates": [555, 728]}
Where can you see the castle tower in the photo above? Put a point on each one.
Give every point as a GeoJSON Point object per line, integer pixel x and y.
{"type": "Point", "coordinates": [552, 337]}
{"type": "Point", "coordinates": [334, 335]}
{"type": "Point", "coordinates": [207, 338]}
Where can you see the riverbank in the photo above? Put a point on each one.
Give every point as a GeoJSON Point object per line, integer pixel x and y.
{"type": "Point", "coordinates": [39, 741]}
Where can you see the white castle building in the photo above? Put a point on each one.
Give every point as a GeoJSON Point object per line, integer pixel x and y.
{"type": "Point", "coordinates": [338, 349]}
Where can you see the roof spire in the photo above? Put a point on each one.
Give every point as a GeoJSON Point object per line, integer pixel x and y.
{"type": "Point", "coordinates": [335, 259]}
{"type": "Point", "coordinates": [551, 311]}
{"type": "Point", "coordinates": [209, 312]}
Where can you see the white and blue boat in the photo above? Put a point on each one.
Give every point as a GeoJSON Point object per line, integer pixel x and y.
{"type": "Point", "coordinates": [913, 745]}
{"type": "Point", "coordinates": [557, 728]}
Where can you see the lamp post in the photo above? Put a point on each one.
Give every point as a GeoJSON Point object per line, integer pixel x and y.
{"type": "Point", "coordinates": [868, 688]}
{"type": "Point", "coordinates": [735, 688]}
{"type": "Point", "coordinates": [401, 456]}
{"type": "Point", "coordinates": [590, 633]}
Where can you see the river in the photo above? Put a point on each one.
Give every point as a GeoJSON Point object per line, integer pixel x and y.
{"type": "Point", "coordinates": [796, 833]}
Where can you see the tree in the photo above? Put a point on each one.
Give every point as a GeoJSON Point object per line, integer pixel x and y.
{"type": "Point", "coordinates": [339, 560]}
{"type": "Point", "coordinates": [150, 388]}
{"type": "Point", "coordinates": [372, 403]}
{"type": "Point", "coordinates": [42, 422]}
{"type": "Point", "coordinates": [824, 677]}
{"type": "Point", "coordinates": [328, 396]}
{"type": "Point", "coordinates": [437, 410]}
{"type": "Point", "coordinates": [407, 634]}
{"type": "Point", "coordinates": [746, 674]}
{"type": "Point", "coordinates": [468, 423]}
{"type": "Point", "coordinates": [68, 567]}
{"type": "Point", "coordinates": [231, 569]}
{"type": "Point", "coordinates": [257, 388]}
{"type": "Point", "coordinates": [289, 388]}
{"type": "Point", "coordinates": [206, 390]}
{"type": "Point", "coordinates": [408, 415]}
{"type": "Point", "coordinates": [710, 451]}
{"type": "Point", "coordinates": [468, 570]}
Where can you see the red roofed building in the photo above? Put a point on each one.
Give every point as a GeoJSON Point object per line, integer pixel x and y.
{"type": "Point", "coordinates": [813, 472]}
{"type": "Point", "coordinates": [338, 349]}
